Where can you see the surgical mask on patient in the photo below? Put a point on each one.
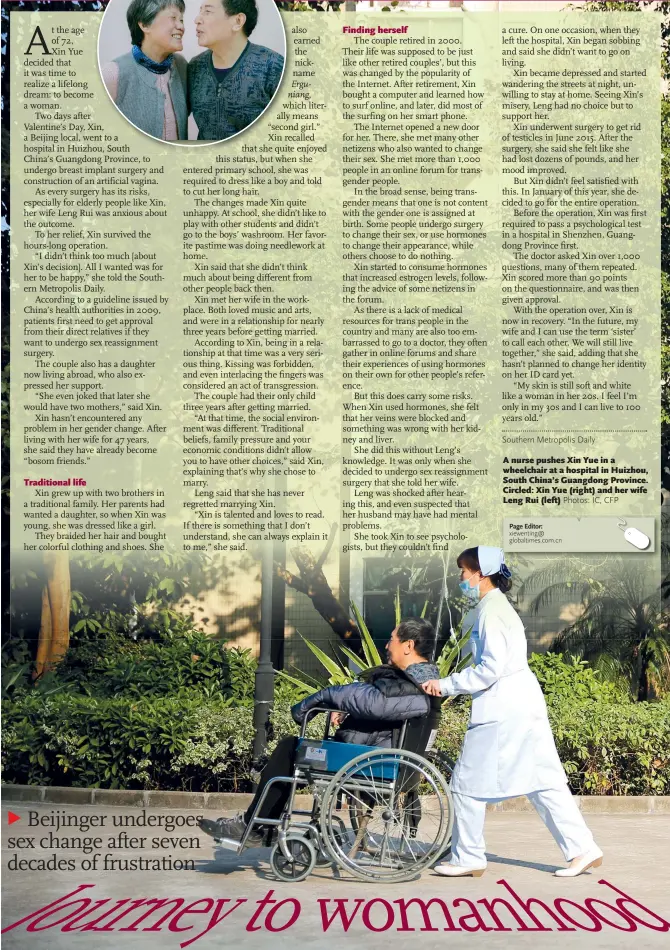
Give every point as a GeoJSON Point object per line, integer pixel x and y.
{"type": "Point", "coordinates": [472, 593]}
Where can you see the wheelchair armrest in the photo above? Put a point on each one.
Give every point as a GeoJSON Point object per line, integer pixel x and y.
{"type": "Point", "coordinates": [314, 712]}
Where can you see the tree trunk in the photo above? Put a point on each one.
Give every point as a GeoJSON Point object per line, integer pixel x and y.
{"type": "Point", "coordinates": [643, 680]}
{"type": "Point", "coordinates": [54, 636]}
{"type": "Point", "coordinates": [642, 658]}
{"type": "Point", "coordinates": [44, 642]}
{"type": "Point", "coordinates": [312, 582]}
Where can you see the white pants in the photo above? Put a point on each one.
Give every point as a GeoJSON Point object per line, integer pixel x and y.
{"type": "Point", "coordinates": [556, 807]}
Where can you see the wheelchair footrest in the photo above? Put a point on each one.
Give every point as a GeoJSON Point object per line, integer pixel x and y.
{"type": "Point", "coordinates": [229, 843]}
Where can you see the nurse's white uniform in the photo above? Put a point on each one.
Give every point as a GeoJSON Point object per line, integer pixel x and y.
{"type": "Point", "coordinates": [509, 748]}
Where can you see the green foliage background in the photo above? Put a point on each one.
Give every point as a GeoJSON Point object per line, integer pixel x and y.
{"type": "Point", "coordinates": [195, 733]}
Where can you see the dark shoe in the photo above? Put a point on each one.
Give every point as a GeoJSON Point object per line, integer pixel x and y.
{"type": "Point", "coordinates": [231, 828]}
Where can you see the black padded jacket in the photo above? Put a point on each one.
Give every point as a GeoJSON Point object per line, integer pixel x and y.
{"type": "Point", "coordinates": [376, 708]}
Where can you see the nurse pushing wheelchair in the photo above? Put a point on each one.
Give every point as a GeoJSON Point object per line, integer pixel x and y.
{"type": "Point", "coordinates": [509, 749]}
{"type": "Point", "coordinates": [381, 807]}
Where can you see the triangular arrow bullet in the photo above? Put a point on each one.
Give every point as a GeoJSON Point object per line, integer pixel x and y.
{"type": "Point", "coordinates": [11, 818]}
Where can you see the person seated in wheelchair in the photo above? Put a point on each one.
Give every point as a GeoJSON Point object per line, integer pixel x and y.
{"type": "Point", "coordinates": [373, 711]}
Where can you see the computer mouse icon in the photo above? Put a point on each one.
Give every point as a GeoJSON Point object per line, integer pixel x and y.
{"type": "Point", "coordinates": [637, 538]}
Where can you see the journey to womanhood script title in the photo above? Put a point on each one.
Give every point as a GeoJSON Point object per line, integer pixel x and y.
{"type": "Point", "coordinates": [376, 914]}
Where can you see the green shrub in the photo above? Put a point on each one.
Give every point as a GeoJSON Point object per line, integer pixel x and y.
{"type": "Point", "coordinates": [609, 745]}
{"type": "Point", "coordinates": [188, 743]}
{"type": "Point", "coordinates": [87, 741]}
{"type": "Point", "coordinates": [614, 748]}
{"type": "Point", "coordinates": [565, 679]}
{"type": "Point", "coordinates": [16, 667]}
{"type": "Point", "coordinates": [149, 714]}
{"type": "Point", "coordinates": [106, 663]}
{"type": "Point", "coordinates": [453, 723]}
{"type": "Point", "coordinates": [183, 742]}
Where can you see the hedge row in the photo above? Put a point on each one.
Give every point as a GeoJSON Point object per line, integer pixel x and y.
{"type": "Point", "coordinates": [200, 744]}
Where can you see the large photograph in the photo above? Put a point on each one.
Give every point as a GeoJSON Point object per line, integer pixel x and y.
{"type": "Point", "coordinates": [336, 601]}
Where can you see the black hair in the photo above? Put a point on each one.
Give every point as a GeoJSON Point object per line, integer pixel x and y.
{"type": "Point", "coordinates": [248, 8]}
{"type": "Point", "coordinates": [470, 559]}
{"type": "Point", "coordinates": [421, 632]}
{"type": "Point", "coordinates": [146, 11]}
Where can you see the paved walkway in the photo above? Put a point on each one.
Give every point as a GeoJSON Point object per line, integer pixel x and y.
{"type": "Point", "coordinates": [520, 852]}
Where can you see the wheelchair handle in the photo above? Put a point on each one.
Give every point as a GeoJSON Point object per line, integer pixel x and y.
{"type": "Point", "coordinates": [314, 712]}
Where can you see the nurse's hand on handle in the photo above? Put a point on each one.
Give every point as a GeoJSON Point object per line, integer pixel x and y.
{"type": "Point", "coordinates": [432, 687]}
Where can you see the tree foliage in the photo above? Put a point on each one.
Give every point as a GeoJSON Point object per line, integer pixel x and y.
{"type": "Point", "coordinates": [621, 626]}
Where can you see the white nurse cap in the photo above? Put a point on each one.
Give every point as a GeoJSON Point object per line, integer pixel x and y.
{"type": "Point", "coordinates": [492, 561]}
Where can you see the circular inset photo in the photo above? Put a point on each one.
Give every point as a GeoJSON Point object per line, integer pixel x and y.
{"type": "Point", "coordinates": [190, 72]}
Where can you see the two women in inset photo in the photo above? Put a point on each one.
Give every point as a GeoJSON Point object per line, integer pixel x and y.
{"type": "Point", "coordinates": [225, 88]}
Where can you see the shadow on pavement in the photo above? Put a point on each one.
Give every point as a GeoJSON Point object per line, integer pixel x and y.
{"type": "Point", "coordinates": [227, 861]}
{"type": "Point", "coordinates": [514, 862]}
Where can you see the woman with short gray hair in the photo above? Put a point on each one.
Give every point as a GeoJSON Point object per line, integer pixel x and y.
{"type": "Point", "coordinates": [148, 84]}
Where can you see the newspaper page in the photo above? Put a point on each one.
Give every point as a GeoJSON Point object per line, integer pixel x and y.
{"type": "Point", "coordinates": [336, 381]}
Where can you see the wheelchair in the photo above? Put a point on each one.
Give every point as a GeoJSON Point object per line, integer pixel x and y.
{"type": "Point", "coordinates": [378, 814]}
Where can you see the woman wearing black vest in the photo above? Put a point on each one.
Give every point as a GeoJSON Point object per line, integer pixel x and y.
{"type": "Point", "coordinates": [148, 84]}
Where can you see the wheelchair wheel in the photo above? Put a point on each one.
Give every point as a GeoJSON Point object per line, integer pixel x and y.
{"type": "Point", "coordinates": [445, 766]}
{"type": "Point", "coordinates": [303, 860]}
{"type": "Point", "coordinates": [398, 815]}
{"type": "Point", "coordinates": [442, 763]}
{"type": "Point", "coordinates": [313, 835]}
